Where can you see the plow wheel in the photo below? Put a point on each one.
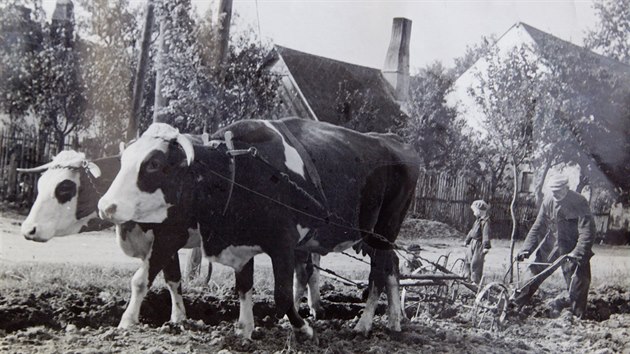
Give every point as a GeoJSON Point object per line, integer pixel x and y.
{"type": "Point", "coordinates": [490, 309]}
{"type": "Point", "coordinates": [429, 298]}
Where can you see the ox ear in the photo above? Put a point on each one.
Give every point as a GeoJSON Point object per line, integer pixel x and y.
{"type": "Point", "coordinates": [186, 144]}
{"type": "Point", "coordinates": [41, 168]}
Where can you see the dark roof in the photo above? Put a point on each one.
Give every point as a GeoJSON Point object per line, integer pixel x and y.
{"type": "Point", "coordinates": [321, 80]}
{"type": "Point", "coordinates": [609, 102]}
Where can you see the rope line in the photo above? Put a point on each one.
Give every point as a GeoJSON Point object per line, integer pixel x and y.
{"type": "Point", "coordinates": [324, 220]}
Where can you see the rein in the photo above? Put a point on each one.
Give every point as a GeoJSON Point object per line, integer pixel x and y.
{"type": "Point", "coordinates": [323, 206]}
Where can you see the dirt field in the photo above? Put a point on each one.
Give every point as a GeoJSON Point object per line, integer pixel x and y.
{"type": "Point", "coordinates": [67, 296]}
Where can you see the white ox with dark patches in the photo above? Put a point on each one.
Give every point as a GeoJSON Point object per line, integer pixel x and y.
{"type": "Point", "coordinates": [68, 191]}
{"type": "Point", "coordinates": [264, 203]}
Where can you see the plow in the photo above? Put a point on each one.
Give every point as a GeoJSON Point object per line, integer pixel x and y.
{"type": "Point", "coordinates": [435, 286]}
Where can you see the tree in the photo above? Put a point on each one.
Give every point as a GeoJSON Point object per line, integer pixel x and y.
{"type": "Point", "coordinates": [577, 96]}
{"type": "Point", "coordinates": [107, 60]}
{"type": "Point", "coordinates": [473, 53]}
{"type": "Point", "coordinates": [506, 95]}
{"type": "Point", "coordinates": [611, 36]}
{"type": "Point", "coordinates": [21, 36]}
{"type": "Point", "coordinates": [197, 96]}
{"type": "Point", "coordinates": [60, 100]}
{"type": "Point", "coordinates": [357, 108]}
{"type": "Point", "coordinates": [433, 128]}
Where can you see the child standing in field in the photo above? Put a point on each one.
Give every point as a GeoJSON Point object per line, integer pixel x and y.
{"type": "Point", "coordinates": [477, 241]}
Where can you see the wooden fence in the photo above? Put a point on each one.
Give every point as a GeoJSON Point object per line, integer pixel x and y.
{"type": "Point", "coordinates": [24, 150]}
{"type": "Point", "coordinates": [447, 198]}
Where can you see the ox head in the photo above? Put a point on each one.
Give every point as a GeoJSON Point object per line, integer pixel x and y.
{"type": "Point", "coordinates": [148, 167]}
{"type": "Point", "coordinates": [55, 211]}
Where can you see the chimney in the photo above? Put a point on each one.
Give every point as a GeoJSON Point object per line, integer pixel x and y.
{"type": "Point", "coordinates": [396, 68]}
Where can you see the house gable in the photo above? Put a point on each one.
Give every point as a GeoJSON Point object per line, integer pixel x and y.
{"type": "Point", "coordinates": [608, 148]}
{"type": "Point", "coordinates": [319, 87]}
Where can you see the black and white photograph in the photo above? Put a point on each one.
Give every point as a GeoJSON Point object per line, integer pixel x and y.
{"type": "Point", "coordinates": [314, 176]}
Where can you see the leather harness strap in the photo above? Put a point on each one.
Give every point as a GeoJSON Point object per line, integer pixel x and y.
{"type": "Point", "coordinates": [306, 158]}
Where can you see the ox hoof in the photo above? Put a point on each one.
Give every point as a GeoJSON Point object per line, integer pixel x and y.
{"type": "Point", "coordinates": [393, 323]}
{"type": "Point", "coordinates": [244, 330]}
{"type": "Point", "coordinates": [177, 318]}
{"type": "Point", "coordinates": [127, 323]}
{"type": "Point", "coordinates": [305, 333]}
{"type": "Point", "coordinates": [363, 328]}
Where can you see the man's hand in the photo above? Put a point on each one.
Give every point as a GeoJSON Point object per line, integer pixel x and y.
{"type": "Point", "coordinates": [485, 250]}
{"type": "Point", "coordinates": [467, 242]}
{"type": "Point", "coordinates": [522, 255]}
{"type": "Point", "coordinates": [574, 256]}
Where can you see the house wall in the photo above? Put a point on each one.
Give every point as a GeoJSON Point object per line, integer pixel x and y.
{"type": "Point", "coordinates": [460, 98]}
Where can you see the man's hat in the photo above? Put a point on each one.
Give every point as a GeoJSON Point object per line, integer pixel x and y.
{"type": "Point", "coordinates": [558, 182]}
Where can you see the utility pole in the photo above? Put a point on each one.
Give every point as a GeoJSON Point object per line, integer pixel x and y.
{"type": "Point", "coordinates": [225, 18]}
{"type": "Point", "coordinates": [141, 69]}
{"type": "Point", "coordinates": [160, 66]}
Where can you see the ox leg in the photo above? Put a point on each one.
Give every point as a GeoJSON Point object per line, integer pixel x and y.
{"type": "Point", "coordinates": [244, 285]}
{"type": "Point", "coordinates": [364, 326]}
{"type": "Point", "coordinates": [173, 278]}
{"type": "Point", "coordinates": [383, 274]}
{"type": "Point", "coordinates": [283, 266]}
{"type": "Point", "coordinates": [193, 270]}
{"type": "Point", "coordinates": [314, 300]}
{"type": "Point", "coordinates": [394, 307]}
{"type": "Point", "coordinates": [139, 288]}
{"type": "Point", "coordinates": [209, 275]}
{"type": "Point", "coordinates": [301, 277]}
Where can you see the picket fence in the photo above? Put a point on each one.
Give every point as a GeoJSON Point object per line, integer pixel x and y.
{"type": "Point", "coordinates": [20, 149]}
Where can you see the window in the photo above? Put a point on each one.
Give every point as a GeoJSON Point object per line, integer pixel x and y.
{"type": "Point", "coordinates": [527, 182]}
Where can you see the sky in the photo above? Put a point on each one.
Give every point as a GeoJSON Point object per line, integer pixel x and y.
{"type": "Point", "coordinates": [359, 31]}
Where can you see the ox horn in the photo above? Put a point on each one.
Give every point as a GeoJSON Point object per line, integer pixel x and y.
{"type": "Point", "coordinates": [185, 143]}
{"type": "Point", "coordinates": [43, 167]}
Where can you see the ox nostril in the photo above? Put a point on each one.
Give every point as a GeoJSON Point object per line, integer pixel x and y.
{"type": "Point", "coordinates": [33, 231]}
{"type": "Point", "coordinates": [110, 210]}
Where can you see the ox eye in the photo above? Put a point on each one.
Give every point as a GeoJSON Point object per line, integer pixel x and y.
{"type": "Point", "coordinates": [65, 191]}
{"type": "Point", "coordinates": [154, 166]}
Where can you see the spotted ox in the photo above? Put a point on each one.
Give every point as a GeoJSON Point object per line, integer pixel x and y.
{"type": "Point", "coordinates": [276, 187]}
{"type": "Point", "coordinates": [68, 192]}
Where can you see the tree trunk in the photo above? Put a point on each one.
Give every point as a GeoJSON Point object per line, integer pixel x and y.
{"type": "Point", "coordinates": [513, 214]}
{"type": "Point", "coordinates": [225, 18]}
{"type": "Point", "coordinates": [161, 101]}
{"type": "Point", "coordinates": [138, 85]}
{"type": "Point", "coordinates": [223, 36]}
{"type": "Point", "coordinates": [538, 191]}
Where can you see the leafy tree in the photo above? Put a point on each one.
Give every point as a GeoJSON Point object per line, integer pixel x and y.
{"type": "Point", "coordinates": [611, 36]}
{"type": "Point", "coordinates": [60, 100]}
{"type": "Point", "coordinates": [43, 72]}
{"type": "Point", "coordinates": [21, 36]}
{"type": "Point", "coordinates": [246, 91]}
{"type": "Point", "coordinates": [107, 59]}
{"type": "Point", "coordinates": [357, 107]}
{"type": "Point", "coordinates": [578, 95]}
{"type": "Point", "coordinates": [198, 93]}
{"type": "Point", "coordinates": [433, 127]}
{"type": "Point", "coordinates": [506, 96]}
{"type": "Point", "coordinates": [473, 53]}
